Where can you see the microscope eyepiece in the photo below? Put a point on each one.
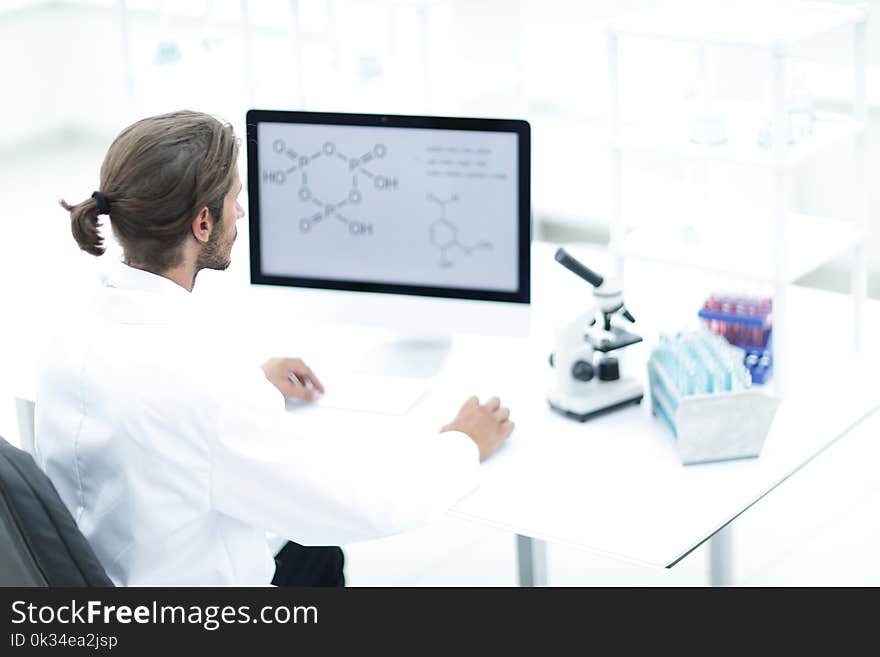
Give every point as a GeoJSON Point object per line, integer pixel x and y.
{"type": "Point", "coordinates": [574, 266]}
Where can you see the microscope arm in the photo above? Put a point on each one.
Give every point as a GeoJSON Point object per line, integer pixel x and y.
{"type": "Point", "coordinates": [570, 336]}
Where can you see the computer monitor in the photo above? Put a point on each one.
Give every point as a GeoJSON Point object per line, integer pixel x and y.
{"type": "Point", "coordinates": [418, 224]}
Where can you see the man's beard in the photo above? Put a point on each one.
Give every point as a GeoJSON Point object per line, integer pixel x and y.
{"type": "Point", "coordinates": [215, 253]}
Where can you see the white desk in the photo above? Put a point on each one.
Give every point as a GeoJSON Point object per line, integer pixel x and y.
{"type": "Point", "coordinates": [613, 485]}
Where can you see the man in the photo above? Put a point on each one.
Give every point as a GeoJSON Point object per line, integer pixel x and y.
{"type": "Point", "coordinates": [172, 455]}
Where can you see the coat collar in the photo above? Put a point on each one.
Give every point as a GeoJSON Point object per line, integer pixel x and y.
{"type": "Point", "coordinates": [123, 277]}
{"type": "Point", "coordinates": [134, 296]}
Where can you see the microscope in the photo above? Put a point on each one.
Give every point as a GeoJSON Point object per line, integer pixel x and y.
{"type": "Point", "coordinates": [587, 379]}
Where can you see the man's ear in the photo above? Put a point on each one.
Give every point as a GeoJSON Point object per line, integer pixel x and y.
{"type": "Point", "coordinates": [202, 225]}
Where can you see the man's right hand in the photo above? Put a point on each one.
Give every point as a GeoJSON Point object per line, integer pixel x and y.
{"type": "Point", "coordinates": [487, 424]}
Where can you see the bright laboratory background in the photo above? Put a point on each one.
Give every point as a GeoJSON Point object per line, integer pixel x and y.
{"type": "Point", "coordinates": [74, 73]}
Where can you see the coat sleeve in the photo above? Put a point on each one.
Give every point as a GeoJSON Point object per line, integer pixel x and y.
{"type": "Point", "coordinates": [325, 489]}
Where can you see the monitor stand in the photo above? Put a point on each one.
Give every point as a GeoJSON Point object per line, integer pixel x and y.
{"type": "Point", "coordinates": [411, 357]}
{"type": "Point", "coordinates": [390, 378]}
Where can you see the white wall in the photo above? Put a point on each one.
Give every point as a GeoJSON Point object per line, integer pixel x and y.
{"type": "Point", "coordinates": [33, 93]}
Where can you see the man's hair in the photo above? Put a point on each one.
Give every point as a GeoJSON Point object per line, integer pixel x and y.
{"type": "Point", "coordinates": [156, 177]}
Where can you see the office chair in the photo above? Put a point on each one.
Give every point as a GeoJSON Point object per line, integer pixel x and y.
{"type": "Point", "coordinates": [40, 544]}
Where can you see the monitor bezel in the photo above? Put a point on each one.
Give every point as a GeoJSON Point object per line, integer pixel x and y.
{"type": "Point", "coordinates": [521, 128]}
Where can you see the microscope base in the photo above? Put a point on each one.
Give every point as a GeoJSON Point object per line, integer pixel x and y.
{"type": "Point", "coordinates": [607, 397]}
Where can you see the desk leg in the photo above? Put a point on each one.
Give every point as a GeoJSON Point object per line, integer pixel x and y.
{"type": "Point", "coordinates": [531, 555]}
{"type": "Point", "coordinates": [721, 558]}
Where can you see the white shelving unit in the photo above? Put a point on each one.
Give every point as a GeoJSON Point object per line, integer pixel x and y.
{"type": "Point", "coordinates": [796, 243]}
{"type": "Point", "coordinates": [811, 241]}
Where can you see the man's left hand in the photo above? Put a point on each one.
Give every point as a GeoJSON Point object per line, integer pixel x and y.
{"type": "Point", "coordinates": [306, 385]}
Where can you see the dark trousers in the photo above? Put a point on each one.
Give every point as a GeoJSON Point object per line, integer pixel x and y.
{"type": "Point", "coordinates": [297, 565]}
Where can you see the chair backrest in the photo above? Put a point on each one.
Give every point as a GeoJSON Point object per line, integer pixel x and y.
{"type": "Point", "coordinates": [39, 540]}
{"type": "Point", "coordinates": [24, 412]}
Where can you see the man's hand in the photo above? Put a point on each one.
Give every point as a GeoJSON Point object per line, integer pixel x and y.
{"type": "Point", "coordinates": [278, 371]}
{"type": "Point", "coordinates": [487, 424]}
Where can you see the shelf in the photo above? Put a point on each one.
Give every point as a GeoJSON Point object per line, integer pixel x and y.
{"type": "Point", "coordinates": [670, 136]}
{"type": "Point", "coordinates": [744, 248]}
{"type": "Point", "coordinates": [759, 24]}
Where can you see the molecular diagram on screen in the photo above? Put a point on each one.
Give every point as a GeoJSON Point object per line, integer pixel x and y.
{"type": "Point", "coordinates": [444, 234]}
{"type": "Point", "coordinates": [341, 207]}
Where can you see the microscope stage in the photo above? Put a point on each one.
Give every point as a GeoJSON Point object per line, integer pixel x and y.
{"type": "Point", "coordinates": [616, 338]}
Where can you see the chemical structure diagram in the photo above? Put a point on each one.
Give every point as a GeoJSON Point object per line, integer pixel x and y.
{"type": "Point", "coordinates": [444, 233]}
{"type": "Point", "coordinates": [355, 166]}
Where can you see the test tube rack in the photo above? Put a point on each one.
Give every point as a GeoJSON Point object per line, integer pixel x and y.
{"type": "Point", "coordinates": [710, 427]}
{"type": "Point", "coordinates": [747, 323]}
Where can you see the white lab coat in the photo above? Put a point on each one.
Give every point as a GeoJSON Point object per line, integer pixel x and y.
{"type": "Point", "coordinates": [175, 459]}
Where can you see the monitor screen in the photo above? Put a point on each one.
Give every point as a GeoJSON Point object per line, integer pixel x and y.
{"type": "Point", "coordinates": [403, 205]}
